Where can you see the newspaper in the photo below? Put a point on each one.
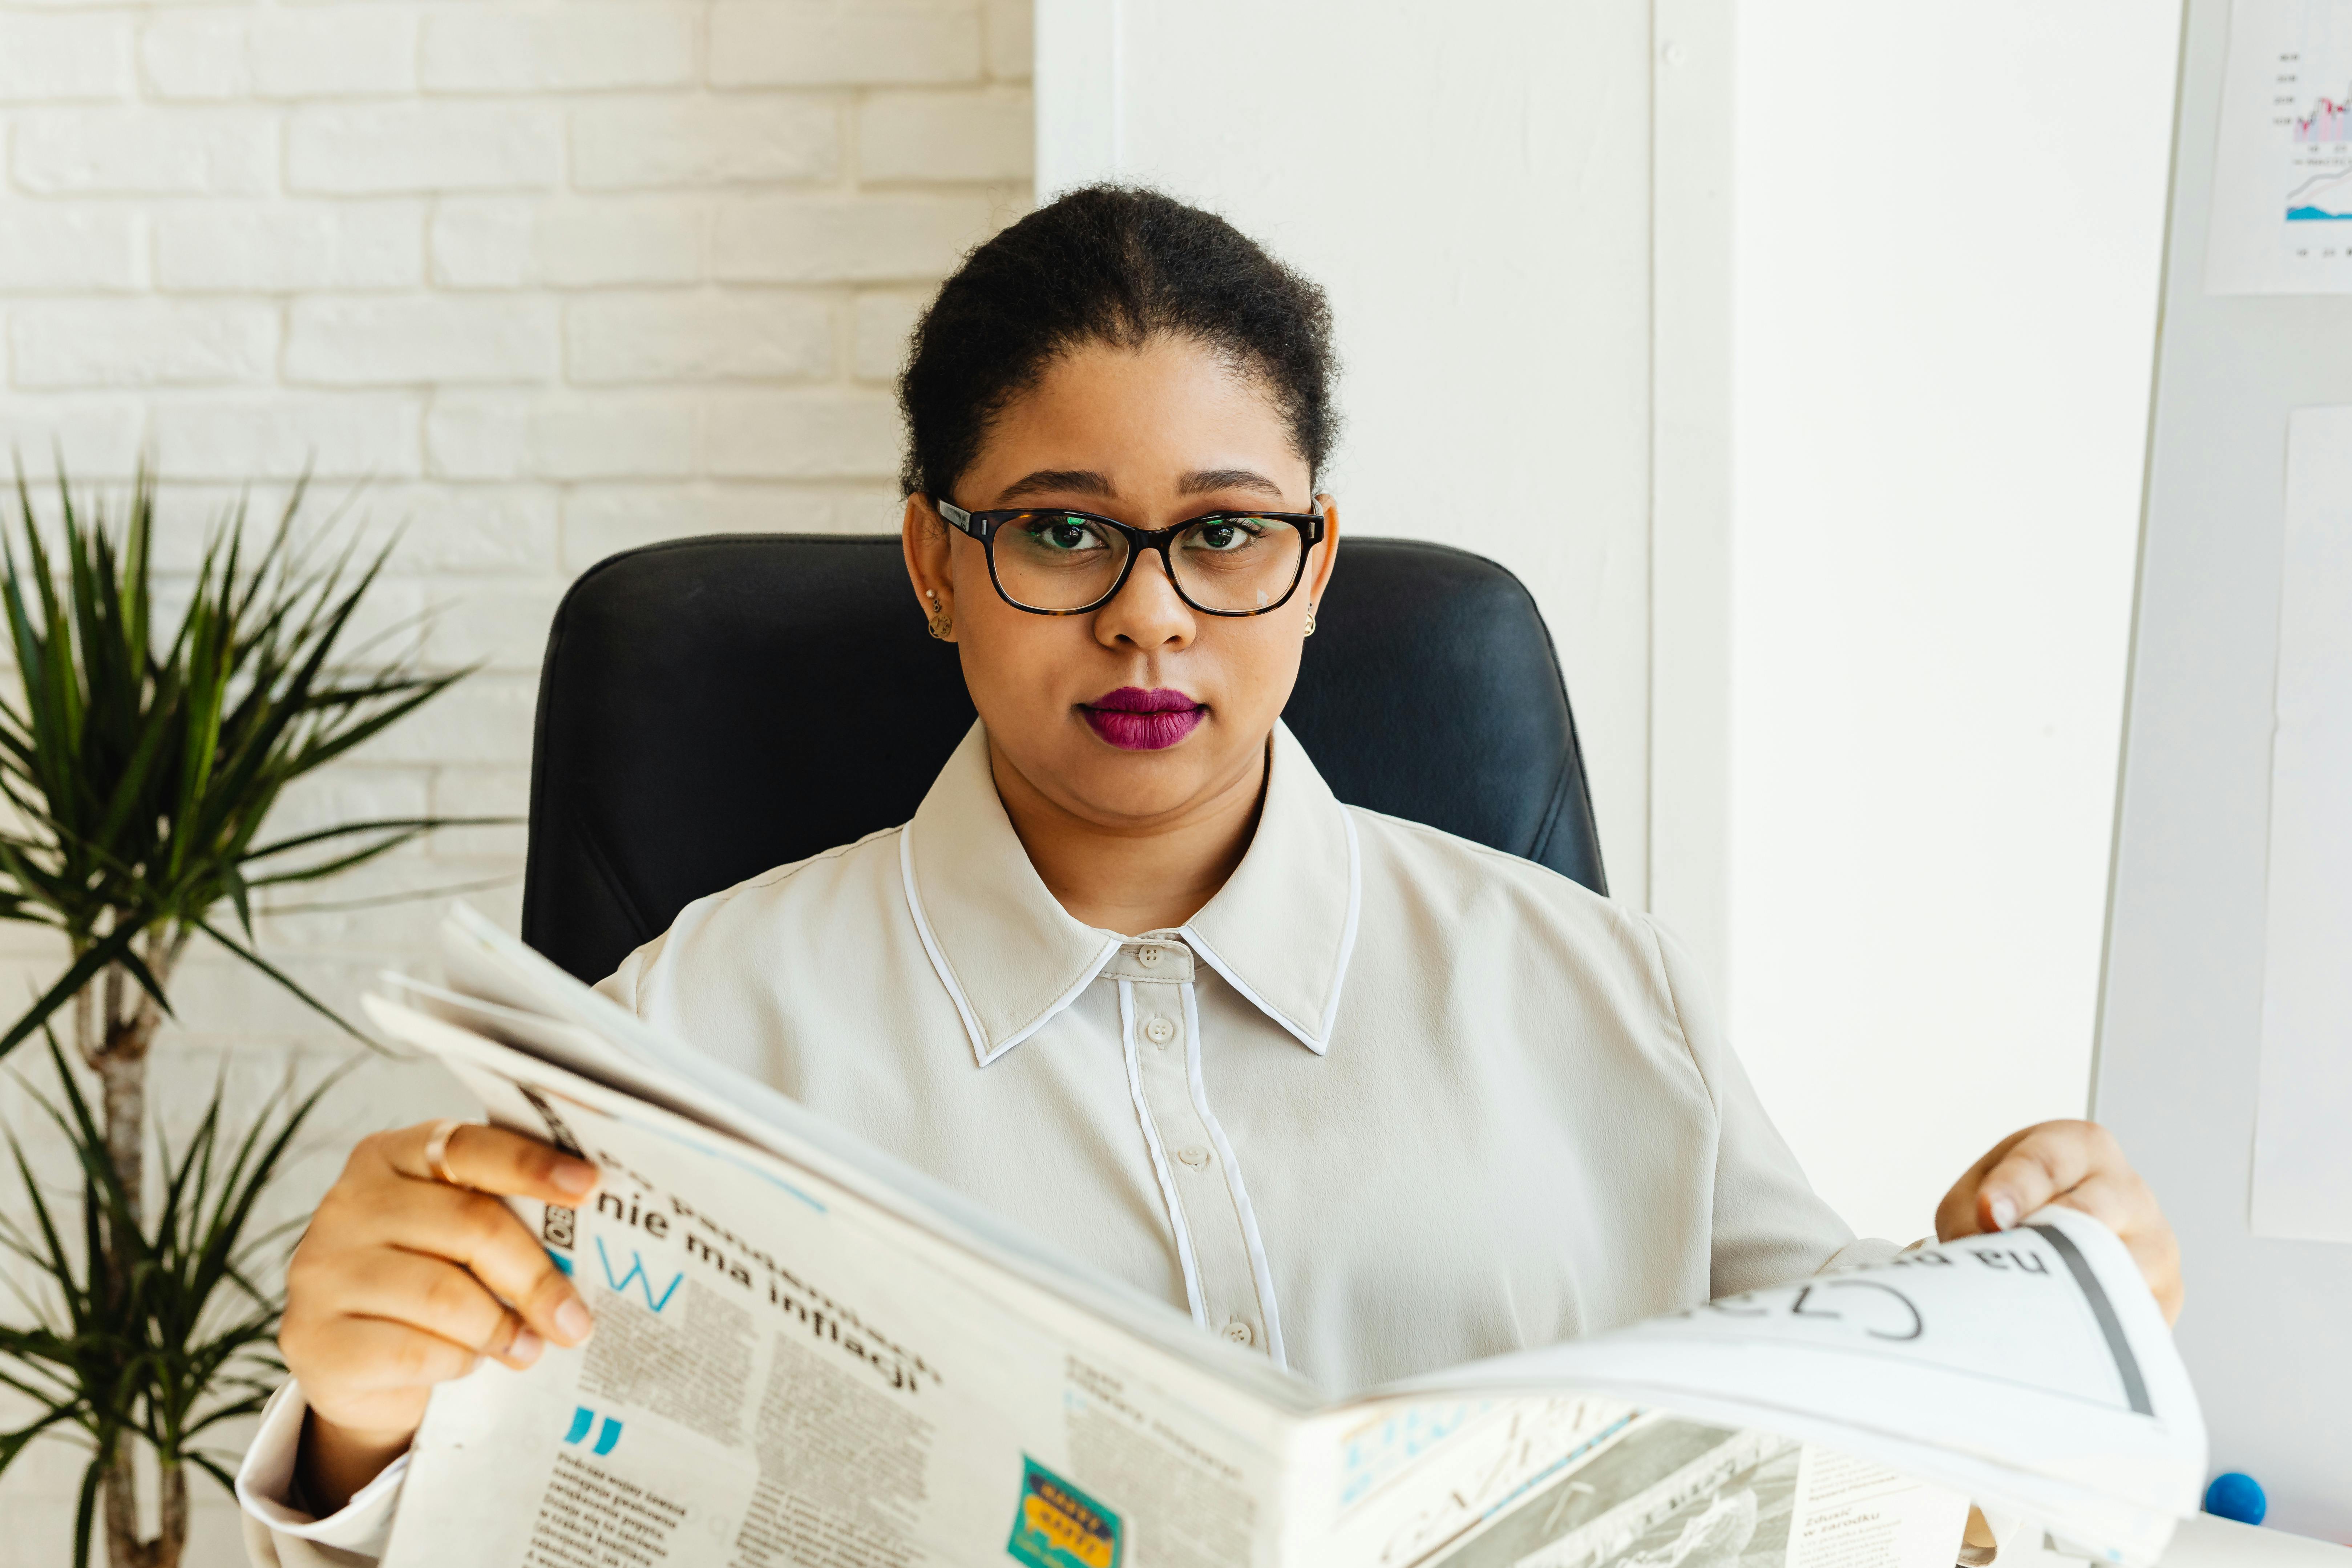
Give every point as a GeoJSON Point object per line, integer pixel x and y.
{"type": "Point", "coordinates": [809, 1354]}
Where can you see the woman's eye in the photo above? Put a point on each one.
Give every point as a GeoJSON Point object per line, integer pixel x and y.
{"type": "Point", "coordinates": [1063, 533]}
{"type": "Point", "coordinates": [1226, 535]}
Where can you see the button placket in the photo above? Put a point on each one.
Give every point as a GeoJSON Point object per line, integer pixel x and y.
{"type": "Point", "coordinates": [1228, 1300]}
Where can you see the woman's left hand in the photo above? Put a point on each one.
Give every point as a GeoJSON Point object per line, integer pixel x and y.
{"type": "Point", "coordinates": [2079, 1164]}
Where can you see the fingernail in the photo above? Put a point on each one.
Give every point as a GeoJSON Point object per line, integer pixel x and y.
{"type": "Point", "coordinates": [573, 1321]}
{"type": "Point", "coordinates": [574, 1176]}
{"type": "Point", "coordinates": [525, 1348]}
{"type": "Point", "coordinates": [2004, 1213]}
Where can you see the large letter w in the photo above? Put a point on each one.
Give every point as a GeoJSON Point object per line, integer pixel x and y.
{"type": "Point", "coordinates": [636, 1272]}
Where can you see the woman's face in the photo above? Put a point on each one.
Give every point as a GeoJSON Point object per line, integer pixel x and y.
{"type": "Point", "coordinates": [1152, 437]}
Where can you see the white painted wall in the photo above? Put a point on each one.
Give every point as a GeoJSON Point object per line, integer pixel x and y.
{"type": "Point", "coordinates": [1950, 224]}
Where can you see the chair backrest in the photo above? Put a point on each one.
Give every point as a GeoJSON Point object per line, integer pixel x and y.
{"type": "Point", "coordinates": [711, 708]}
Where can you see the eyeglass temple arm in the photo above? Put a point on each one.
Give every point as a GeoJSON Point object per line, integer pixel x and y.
{"type": "Point", "coordinates": [957, 518]}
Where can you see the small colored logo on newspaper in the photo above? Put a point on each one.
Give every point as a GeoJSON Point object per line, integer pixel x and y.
{"type": "Point", "coordinates": [1058, 1526]}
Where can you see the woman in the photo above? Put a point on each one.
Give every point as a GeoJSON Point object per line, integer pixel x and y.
{"type": "Point", "coordinates": [1362, 1095]}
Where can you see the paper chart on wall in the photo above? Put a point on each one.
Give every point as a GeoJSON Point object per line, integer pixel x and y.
{"type": "Point", "coordinates": [2303, 1161]}
{"type": "Point", "coordinates": [2281, 220]}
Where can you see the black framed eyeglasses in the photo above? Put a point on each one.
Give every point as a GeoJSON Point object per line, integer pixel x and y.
{"type": "Point", "coordinates": [1052, 560]}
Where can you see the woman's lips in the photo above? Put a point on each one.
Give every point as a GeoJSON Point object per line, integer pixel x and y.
{"type": "Point", "coordinates": [1135, 720]}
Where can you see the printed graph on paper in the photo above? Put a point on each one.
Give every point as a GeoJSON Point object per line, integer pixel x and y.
{"type": "Point", "coordinates": [2311, 88]}
{"type": "Point", "coordinates": [2282, 217]}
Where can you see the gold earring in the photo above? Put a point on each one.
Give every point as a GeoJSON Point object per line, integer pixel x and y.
{"type": "Point", "coordinates": [941, 623]}
{"type": "Point", "coordinates": [1310, 620]}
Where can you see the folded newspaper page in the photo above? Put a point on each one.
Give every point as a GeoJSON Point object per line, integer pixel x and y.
{"type": "Point", "coordinates": [808, 1355]}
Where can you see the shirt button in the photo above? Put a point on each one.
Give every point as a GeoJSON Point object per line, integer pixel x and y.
{"type": "Point", "coordinates": [1238, 1331]}
{"type": "Point", "coordinates": [1194, 1156]}
{"type": "Point", "coordinates": [1160, 1031]}
{"type": "Point", "coordinates": [1146, 957]}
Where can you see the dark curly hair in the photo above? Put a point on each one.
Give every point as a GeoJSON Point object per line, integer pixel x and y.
{"type": "Point", "coordinates": [1117, 265]}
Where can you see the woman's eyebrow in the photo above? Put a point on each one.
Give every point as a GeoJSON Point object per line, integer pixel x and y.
{"type": "Point", "coordinates": [1087, 482]}
{"type": "Point", "coordinates": [1045, 482]}
{"type": "Point", "coordinates": [1210, 480]}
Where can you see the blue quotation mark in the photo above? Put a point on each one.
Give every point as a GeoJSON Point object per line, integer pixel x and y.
{"type": "Point", "coordinates": [582, 1419]}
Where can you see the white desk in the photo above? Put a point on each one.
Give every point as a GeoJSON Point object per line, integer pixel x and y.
{"type": "Point", "coordinates": [2206, 1542]}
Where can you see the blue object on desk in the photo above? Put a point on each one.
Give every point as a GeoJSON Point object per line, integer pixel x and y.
{"type": "Point", "coordinates": [2237, 1496]}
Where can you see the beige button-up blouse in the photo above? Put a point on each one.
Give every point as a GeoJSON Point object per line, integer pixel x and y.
{"type": "Point", "coordinates": [1390, 1100]}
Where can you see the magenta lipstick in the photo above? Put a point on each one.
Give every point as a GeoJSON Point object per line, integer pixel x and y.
{"type": "Point", "coordinates": [1135, 720]}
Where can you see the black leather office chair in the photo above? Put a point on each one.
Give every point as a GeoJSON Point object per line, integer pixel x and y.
{"type": "Point", "coordinates": [710, 708]}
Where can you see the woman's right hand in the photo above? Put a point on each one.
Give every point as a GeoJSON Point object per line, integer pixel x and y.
{"type": "Point", "coordinates": [403, 1281]}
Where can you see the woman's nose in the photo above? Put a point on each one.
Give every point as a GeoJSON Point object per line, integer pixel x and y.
{"type": "Point", "coordinates": [1148, 612]}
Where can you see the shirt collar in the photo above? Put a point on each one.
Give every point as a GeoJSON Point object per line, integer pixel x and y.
{"type": "Point", "coordinates": [1280, 931]}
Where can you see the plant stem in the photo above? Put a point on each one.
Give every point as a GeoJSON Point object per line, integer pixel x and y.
{"type": "Point", "coordinates": [125, 1548]}
{"type": "Point", "coordinates": [114, 1042]}
{"type": "Point", "coordinates": [122, 1072]}
{"type": "Point", "coordinates": [114, 1036]}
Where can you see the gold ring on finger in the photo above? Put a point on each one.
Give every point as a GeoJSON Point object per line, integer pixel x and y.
{"type": "Point", "coordinates": [437, 1150]}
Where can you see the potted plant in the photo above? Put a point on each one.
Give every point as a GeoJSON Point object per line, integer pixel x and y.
{"type": "Point", "coordinates": [141, 762]}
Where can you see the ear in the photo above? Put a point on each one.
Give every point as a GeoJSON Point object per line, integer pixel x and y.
{"type": "Point", "coordinates": [929, 550]}
{"type": "Point", "coordinates": [1318, 575]}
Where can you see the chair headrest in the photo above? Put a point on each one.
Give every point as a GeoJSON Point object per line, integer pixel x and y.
{"type": "Point", "coordinates": [712, 708]}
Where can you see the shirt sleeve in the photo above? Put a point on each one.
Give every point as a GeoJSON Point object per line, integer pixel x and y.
{"type": "Point", "coordinates": [629, 985]}
{"type": "Point", "coordinates": [1769, 1225]}
{"type": "Point", "coordinates": [280, 1531]}
{"type": "Point", "coordinates": [621, 985]}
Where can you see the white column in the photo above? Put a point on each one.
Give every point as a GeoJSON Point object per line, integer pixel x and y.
{"type": "Point", "coordinates": [1948, 232]}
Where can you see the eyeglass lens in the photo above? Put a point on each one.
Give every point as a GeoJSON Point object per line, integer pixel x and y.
{"type": "Point", "coordinates": [1057, 561]}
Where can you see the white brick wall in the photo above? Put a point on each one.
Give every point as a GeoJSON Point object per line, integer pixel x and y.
{"type": "Point", "coordinates": [554, 278]}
